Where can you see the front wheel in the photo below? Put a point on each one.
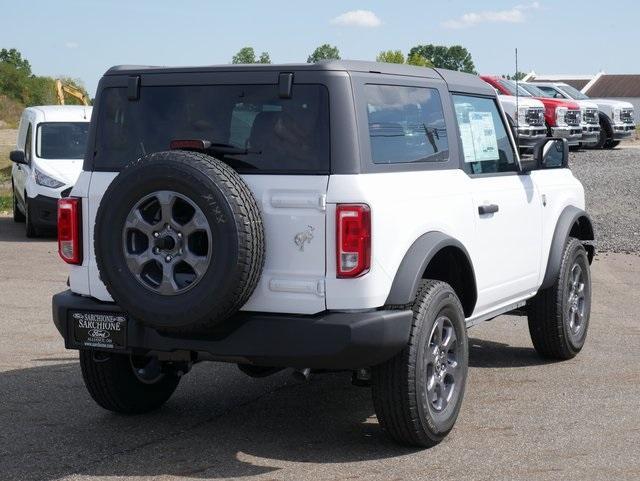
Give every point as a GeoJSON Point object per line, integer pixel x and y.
{"type": "Point", "coordinates": [126, 384]}
{"type": "Point", "coordinates": [18, 216]}
{"type": "Point", "coordinates": [31, 230]}
{"type": "Point", "coordinates": [418, 393]}
{"type": "Point", "coordinates": [559, 315]}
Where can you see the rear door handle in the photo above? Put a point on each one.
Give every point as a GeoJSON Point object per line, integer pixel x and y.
{"type": "Point", "coordinates": [488, 209]}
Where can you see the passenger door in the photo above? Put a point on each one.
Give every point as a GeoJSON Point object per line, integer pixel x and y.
{"type": "Point", "coordinates": [23, 170]}
{"type": "Point", "coordinates": [506, 205]}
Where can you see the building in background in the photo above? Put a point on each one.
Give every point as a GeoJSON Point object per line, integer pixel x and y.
{"type": "Point", "coordinates": [624, 87]}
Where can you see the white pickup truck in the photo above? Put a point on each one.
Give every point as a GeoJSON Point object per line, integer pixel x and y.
{"type": "Point", "coordinates": [616, 117]}
{"type": "Point", "coordinates": [526, 118]}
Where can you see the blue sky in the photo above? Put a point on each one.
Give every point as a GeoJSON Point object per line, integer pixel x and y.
{"type": "Point", "coordinates": [82, 38]}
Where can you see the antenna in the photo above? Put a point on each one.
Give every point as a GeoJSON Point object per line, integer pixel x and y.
{"type": "Point", "coordinates": [517, 104]}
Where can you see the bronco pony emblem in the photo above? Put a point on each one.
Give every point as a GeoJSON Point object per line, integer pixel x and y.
{"type": "Point", "coordinates": [304, 237]}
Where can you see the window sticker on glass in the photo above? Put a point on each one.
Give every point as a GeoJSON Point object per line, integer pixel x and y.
{"type": "Point", "coordinates": [479, 140]}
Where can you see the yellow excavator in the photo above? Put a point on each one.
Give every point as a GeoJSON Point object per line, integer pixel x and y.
{"type": "Point", "coordinates": [62, 88]}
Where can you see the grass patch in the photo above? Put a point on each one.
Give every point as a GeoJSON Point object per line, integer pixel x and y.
{"type": "Point", "coordinates": [10, 112]}
{"type": "Point", "coordinates": [5, 163]}
{"type": "Point", "coordinates": [5, 203]}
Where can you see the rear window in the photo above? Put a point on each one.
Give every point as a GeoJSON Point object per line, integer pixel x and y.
{"type": "Point", "coordinates": [62, 140]}
{"type": "Point", "coordinates": [250, 127]}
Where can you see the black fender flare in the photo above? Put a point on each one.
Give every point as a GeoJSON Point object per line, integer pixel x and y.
{"type": "Point", "coordinates": [568, 218]}
{"type": "Point", "coordinates": [408, 276]}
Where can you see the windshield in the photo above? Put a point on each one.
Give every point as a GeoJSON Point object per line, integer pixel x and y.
{"type": "Point", "coordinates": [249, 126]}
{"type": "Point", "coordinates": [510, 86]}
{"type": "Point", "coordinates": [62, 140]}
{"type": "Point", "coordinates": [573, 92]}
{"type": "Point", "coordinates": [535, 91]}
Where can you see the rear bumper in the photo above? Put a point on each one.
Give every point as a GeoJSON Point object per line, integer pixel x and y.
{"type": "Point", "coordinates": [44, 211]}
{"type": "Point", "coordinates": [331, 340]}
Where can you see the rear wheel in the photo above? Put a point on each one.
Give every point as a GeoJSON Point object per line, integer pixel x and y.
{"type": "Point", "coordinates": [126, 384]}
{"type": "Point", "coordinates": [559, 315]}
{"type": "Point", "coordinates": [418, 393]}
{"type": "Point", "coordinates": [18, 216]}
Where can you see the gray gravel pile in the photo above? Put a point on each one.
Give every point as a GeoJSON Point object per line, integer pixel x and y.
{"type": "Point", "coordinates": [611, 180]}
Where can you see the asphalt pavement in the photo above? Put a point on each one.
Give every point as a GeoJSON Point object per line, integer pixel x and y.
{"type": "Point", "coordinates": [522, 418]}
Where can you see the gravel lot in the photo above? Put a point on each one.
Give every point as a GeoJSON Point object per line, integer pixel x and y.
{"type": "Point", "coordinates": [611, 179]}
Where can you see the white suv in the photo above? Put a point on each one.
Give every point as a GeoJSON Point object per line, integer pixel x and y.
{"type": "Point", "coordinates": [341, 215]}
{"type": "Point", "coordinates": [47, 162]}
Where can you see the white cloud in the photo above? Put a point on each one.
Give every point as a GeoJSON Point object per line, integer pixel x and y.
{"type": "Point", "coordinates": [515, 15]}
{"type": "Point", "coordinates": [71, 45]}
{"type": "Point", "coordinates": [357, 18]}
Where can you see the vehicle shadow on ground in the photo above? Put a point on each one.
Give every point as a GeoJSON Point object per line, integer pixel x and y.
{"type": "Point", "coordinates": [219, 424]}
{"type": "Point", "coordinates": [491, 354]}
{"type": "Point", "coordinates": [11, 231]}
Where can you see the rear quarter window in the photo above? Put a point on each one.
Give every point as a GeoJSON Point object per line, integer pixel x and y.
{"type": "Point", "coordinates": [406, 124]}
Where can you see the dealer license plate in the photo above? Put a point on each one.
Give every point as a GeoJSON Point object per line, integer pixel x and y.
{"type": "Point", "coordinates": [102, 330]}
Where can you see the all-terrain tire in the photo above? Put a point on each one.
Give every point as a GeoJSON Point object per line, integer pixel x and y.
{"type": "Point", "coordinates": [237, 245]}
{"type": "Point", "coordinates": [399, 386]}
{"type": "Point", "coordinates": [111, 382]}
{"type": "Point", "coordinates": [551, 311]}
{"type": "Point", "coordinates": [18, 216]}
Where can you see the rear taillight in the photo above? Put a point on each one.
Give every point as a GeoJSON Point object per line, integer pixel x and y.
{"type": "Point", "coordinates": [353, 240]}
{"type": "Point", "coordinates": [69, 231]}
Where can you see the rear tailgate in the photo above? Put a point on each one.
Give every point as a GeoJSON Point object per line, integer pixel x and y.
{"type": "Point", "coordinates": [294, 215]}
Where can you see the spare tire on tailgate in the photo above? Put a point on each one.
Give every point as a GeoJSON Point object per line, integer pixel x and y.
{"type": "Point", "coordinates": [179, 241]}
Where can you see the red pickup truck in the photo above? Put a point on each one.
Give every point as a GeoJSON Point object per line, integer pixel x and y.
{"type": "Point", "coordinates": [563, 118]}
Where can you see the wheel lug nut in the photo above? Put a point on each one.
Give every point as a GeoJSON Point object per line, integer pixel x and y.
{"type": "Point", "coordinates": [179, 235]}
{"type": "Point", "coordinates": [168, 258]}
{"type": "Point", "coordinates": [156, 234]}
{"type": "Point", "coordinates": [156, 250]}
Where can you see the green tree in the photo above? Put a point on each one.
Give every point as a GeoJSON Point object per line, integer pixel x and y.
{"type": "Point", "coordinates": [41, 91]}
{"type": "Point", "coordinates": [516, 76]}
{"type": "Point", "coordinates": [248, 55]}
{"type": "Point", "coordinates": [419, 61]}
{"type": "Point", "coordinates": [390, 56]}
{"type": "Point", "coordinates": [455, 57]}
{"type": "Point", "coordinates": [13, 57]}
{"type": "Point", "coordinates": [324, 52]}
{"type": "Point", "coordinates": [264, 58]}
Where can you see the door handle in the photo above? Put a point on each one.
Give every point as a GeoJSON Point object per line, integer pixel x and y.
{"type": "Point", "coordinates": [488, 209]}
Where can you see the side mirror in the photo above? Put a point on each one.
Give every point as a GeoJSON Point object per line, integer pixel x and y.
{"type": "Point", "coordinates": [552, 154]}
{"type": "Point", "coordinates": [547, 154]}
{"type": "Point", "coordinates": [17, 156]}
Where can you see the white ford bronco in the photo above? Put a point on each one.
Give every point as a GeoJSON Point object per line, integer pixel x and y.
{"type": "Point", "coordinates": [342, 215]}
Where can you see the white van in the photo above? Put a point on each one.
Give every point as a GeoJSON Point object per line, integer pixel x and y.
{"type": "Point", "coordinates": [47, 162]}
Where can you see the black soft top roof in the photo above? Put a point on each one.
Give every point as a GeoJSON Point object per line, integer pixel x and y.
{"type": "Point", "coordinates": [457, 81]}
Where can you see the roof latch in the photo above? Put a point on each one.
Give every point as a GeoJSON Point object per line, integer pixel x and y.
{"type": "Point", "coordinates": [285, 83]}
{"type": "Point", "coordinates": [133, 87]}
